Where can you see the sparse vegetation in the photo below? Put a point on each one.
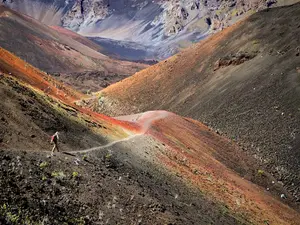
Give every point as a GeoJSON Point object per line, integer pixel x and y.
{"type": "Point", "coordinates": [13, 218]}
{"type": "Point", "coordinates": [13, 215]}
{"type": "Point", "coordinates": [58, 175]}
{"type": "Point", "coordinates": [10, 216]}
{"type": "Point", "coordinates": [44, 178]}
{"type": "Point", "coordinates": [260, 172]}
{"type": "Point", "coordinates": [218, 12]}
{"type": "Point", "coordinates": [43, 165]}
{"type": "Point", "coordinates": [108, 155]}
{"type": "Point", "coordinates": [234, 12]}
{"type": "Point", "coordinates": [84, 157]}
{"type": "Point", "coordinates": [75, 174]}
{"type": "Point", "coordinates": [224, 209]}
{"type": "Point", "coordinates": [255, 42]}
{"type": "Point", "coordinates": [76, 221]}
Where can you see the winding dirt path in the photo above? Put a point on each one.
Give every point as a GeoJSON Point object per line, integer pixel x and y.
{"type": "Point", "coordinates": [144, 120]}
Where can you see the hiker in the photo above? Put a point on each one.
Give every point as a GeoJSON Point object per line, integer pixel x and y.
{"type": "Point", "coordinates": [54, 140]}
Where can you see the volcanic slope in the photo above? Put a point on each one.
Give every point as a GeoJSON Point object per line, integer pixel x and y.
{"type": "Point", "coordinates": [243, 82]}
{"type": "Point", "coordinates": [151, 168]}
{"type": "Point", "coordinates": [61, 52]}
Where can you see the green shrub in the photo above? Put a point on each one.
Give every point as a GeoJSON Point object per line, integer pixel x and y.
{"type": "Point", "coordinates": [13, 218]}
{"type": "Point", "coordinates": [84, 157]}
{"type": "Point", "coordinates": [43, 165]}
{"type": "Point", "coordinates": [260, 172]}
{"type": "Point", "coordinates": [108, 156]}
{"type": "Point", "coordinates": [44, 178]}
{"type": "Point", "coordinates": [75, 174]}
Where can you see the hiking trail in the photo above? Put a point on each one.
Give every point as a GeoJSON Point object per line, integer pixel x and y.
{"type": "Point", "coordinates": [145, 120]}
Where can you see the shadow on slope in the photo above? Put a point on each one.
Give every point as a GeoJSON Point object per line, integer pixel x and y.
{"type": "Point", "coordinates": [36, 117]}
{"type": "Point", "coordinates": [42, 105]}
{"type": "Point", "coordinates": [126, 50]}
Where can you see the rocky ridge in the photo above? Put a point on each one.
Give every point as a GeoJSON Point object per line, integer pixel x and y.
{"type": "Point", "coordinates": [166, 26]}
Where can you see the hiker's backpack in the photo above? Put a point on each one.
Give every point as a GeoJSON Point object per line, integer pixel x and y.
{"type": "Point", "coordinates": [52, 138]}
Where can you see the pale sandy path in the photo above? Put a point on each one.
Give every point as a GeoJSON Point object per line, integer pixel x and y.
{"type": "Point", "coordinates": [145, 120]}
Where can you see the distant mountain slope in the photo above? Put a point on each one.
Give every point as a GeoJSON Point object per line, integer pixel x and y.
{"type": "Point", "coordinates": [42, 46]}
{"type": "Point", "coordinates": [60, 51]}
{"type": "Point", "coordinates": [243, 82]}
{"type": "Point", "coordinates": [162, 27]}
{"type": "Point", "coordinates": [81, 39]}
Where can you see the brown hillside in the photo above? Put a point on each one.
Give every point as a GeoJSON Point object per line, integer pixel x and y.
{"type": "Point", "coordinates": [243, 82]}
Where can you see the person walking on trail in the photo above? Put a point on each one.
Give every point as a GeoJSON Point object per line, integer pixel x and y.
{"type": "Point", "coordinates": [54, 141]}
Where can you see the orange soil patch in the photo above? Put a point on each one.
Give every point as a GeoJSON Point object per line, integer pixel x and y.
{"type": "Point", "coordinates": [18, 68]}
{"type": "Point", "coordinates": [191, 155]}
